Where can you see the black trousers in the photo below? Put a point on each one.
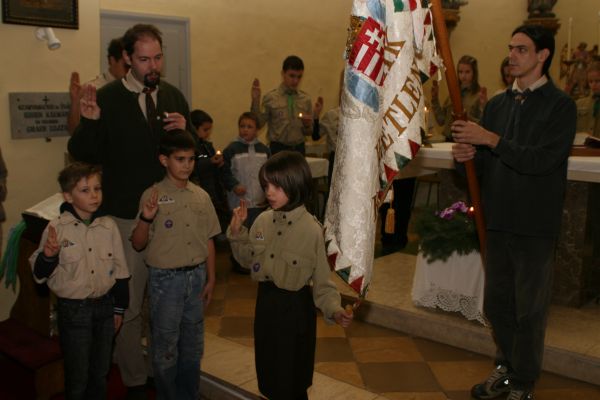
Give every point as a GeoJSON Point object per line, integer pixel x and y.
{"type": "Point", "coordinates": [276, 147]}
{"type": "Point", "coordinates": [518, 287]}
{"type": "Point", "coordinates": [285, 332]}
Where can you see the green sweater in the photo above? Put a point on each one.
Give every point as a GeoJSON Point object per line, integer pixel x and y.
{"type": "Point", "coordinates": [123, 143]}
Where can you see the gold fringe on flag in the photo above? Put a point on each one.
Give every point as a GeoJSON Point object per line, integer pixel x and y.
{"type": "Point", "coordinates": [390, 216]}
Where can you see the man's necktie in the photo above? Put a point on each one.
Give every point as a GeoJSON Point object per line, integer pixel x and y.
{"type": "Point", "coordinates": [521, 96]}
{"type": "Point", "coordinates": [515, 113]}
{"type": "Point", "coordinates": [150, 106]}
{"type": "Point", "coordinates": [290, 102]}
{"type": "Point", "coordinates": [151, 113]}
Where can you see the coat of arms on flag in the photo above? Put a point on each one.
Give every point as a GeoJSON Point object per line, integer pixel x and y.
{"type": "Point", "coordinates": [388, 57]}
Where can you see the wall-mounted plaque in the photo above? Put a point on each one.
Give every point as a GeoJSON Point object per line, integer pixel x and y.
{"type": "Point", "coordinates": [56, 13]}
{"type": "Point", "coordinates": [38, 115]}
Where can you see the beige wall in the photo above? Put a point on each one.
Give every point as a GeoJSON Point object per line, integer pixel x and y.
{"type": "Point", "coordinates": [28, 66]}
{"type": "Point", "coordinates": [232, 41]}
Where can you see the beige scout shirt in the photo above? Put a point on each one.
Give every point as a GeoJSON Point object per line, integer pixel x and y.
{"type": "Point", "coordinates": [443, 114]}
{"type": "Point", "coordinates": [288, 248]}
{"type": "Point", "coordinates": [285, 125]}
{"type": "Point", "coordinates": [586, 122]}
{"type": "Point", "coordinates": [90, 260]}
{"type": "Point", "coordinates": [184, 223]}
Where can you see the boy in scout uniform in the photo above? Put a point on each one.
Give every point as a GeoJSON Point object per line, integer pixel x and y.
{"type": "Point", "coordinates": [81, 259]}
{"type": "Point", "coordinates": [176, 225]}
{"type": "Point", "coordinates": [287, 110]}
{"type": "Point", "coordinates": [285, 250]}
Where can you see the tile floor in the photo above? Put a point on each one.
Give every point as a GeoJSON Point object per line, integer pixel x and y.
{"type": "Point", "coordinates": [362, 362]}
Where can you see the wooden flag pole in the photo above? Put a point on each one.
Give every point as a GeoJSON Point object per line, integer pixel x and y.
{"type": "Point", "coordinates": [443, 44]}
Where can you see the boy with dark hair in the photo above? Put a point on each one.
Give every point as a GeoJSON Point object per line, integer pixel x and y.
{"type": "Point", "coordinates": [287, 110]}
{"type": "Point", "coordinates": [81, 259]}
{"type": "Point", "coordinates": [243, 159]}
{"type": "Point", "coordinates": [209, 165]}
{"type": "Point", "coordinates": [286, 251]}
{"type": "Point", "coordinates": [176, 226]}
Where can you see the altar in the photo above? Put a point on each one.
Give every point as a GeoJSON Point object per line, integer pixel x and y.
{"type": "Point", "coordinates": [454, 285]}
{"type": "Point", "coordinates": [577, 269]}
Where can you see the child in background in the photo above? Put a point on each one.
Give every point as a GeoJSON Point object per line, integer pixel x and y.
{"type": "Point", "coordinates": [286, 252]}
{"type": "Point", "coordinates": [473, 96]}
{"type": "Point", "coordinates": [207, 171]}
{"type": "Point", "coordinates": [81, 259]}
{"type": "Point", "coordinates": [287, 109]}
{"type": "Point", "coordinates": [243, 159]}
{"type": "Point", "coordinates": [176, 225]}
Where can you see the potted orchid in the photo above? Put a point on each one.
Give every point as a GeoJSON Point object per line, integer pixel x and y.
{"type": "Point", "coordinates": [444, 232]}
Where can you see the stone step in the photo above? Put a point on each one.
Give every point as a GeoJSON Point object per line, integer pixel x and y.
{"type": "Point", "coordinates": [455, 330]}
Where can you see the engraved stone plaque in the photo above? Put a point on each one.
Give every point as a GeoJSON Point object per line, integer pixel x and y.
{"type": "Point", "coordinates": [38, 115]}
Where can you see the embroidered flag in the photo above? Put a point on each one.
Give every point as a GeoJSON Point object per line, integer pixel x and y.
{"type": "Point", "coordinates": [388, 57]}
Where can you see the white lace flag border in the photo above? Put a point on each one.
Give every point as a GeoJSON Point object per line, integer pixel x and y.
{"type": "Point", "coordinates": [381, 120]}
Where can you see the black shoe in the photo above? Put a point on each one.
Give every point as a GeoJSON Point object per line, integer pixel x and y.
{"type": "Point", "coordinates": [494, 386]}
{"type": "Point", "coordinates": [520, 395]}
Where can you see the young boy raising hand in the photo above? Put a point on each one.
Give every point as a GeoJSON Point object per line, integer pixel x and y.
{"type": "Point", "coordinates": [176, 226]}
{"type": "Point", "coordinates": [81, 259]}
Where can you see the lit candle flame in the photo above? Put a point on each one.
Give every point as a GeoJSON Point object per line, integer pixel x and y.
{"type": "Point", "coordinates": [299, 115]}
{"type": "Point", "coordinates": [219, 153]}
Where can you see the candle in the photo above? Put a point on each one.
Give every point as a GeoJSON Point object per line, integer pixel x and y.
{"type": "Point", "coordinates": [299, 115]}
{"type": "Point", "coordinates": [569, 33]}
{"type": "Point", "coordinates": [218, 152]}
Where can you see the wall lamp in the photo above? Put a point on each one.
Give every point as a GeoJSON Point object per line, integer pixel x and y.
{"type": "Point", "coordinates": [48, 35]}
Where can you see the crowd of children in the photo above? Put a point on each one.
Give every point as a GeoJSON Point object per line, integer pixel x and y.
{"type": "Point", "coordinates": [263, 199]}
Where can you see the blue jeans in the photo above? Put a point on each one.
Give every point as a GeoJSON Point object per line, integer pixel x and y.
{"type": "Point", "coordinates": [86, 331]}
{"type": "Point", "coordinates": [177, 321]}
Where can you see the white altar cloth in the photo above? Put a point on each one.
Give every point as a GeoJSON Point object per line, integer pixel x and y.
{"type": "Point", "coordinates": [439, 156]}
{"type": "Point", "coordinates": [452, 285]}
{"type": "Point", "coordinates": [318, 166]}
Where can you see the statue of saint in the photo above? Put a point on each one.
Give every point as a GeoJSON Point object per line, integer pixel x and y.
{"type": "Point", "coordinates": [540, 8]}
{"type": "Point", "coordinates": [577, 83]}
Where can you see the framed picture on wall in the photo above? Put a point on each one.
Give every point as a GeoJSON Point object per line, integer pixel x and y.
{"type": "Point", "coordinates": [54, 13]}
